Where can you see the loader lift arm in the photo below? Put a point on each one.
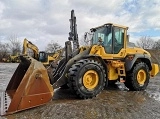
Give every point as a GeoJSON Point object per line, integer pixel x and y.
{"type": "Point", "coordinates": [58, 77]}
{"type": "Point", "coordinates": [73, 36]}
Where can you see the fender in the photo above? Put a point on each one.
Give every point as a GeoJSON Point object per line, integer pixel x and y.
{"type": "Point", "coordinates": [144, 57]}
{"type": "Point", "coordinates": [102, 62]}
{"type": "Point", "coordinates": [62, 79]}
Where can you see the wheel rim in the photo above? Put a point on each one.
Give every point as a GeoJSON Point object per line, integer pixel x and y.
{"type": "Point", "coordinates": [90, 79]}
{"type": "Point", "coordinates": [141, 77]}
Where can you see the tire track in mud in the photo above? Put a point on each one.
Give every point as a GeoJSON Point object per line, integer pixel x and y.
{"type": "Point", "coordinates": [111, 103]}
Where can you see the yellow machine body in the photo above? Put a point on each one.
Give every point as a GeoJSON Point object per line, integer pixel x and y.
{"type": "Point", "coordinates": [115, 65]}
{"type": "Point", "coordinates": [86, 70]}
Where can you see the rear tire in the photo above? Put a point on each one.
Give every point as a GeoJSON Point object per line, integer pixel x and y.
{"type": "Point", "coordinates": [87, 78]}
{"type": "Point", "coordinates": [138, 78]}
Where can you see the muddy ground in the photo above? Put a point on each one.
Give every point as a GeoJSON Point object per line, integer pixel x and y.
{"type": "Point", "coordinates": [110, 104]}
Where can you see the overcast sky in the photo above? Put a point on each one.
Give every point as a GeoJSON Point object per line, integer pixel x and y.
{"type": "Point", "coordinates": [41, 21]}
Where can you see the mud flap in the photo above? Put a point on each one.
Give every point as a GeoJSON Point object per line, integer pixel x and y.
{"type": "Point", "coordinates": [29, 87]}
{"type": "Point", "coordinates": [155, 70]}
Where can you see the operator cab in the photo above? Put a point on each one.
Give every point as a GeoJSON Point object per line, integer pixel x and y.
{"type": "Point", "coordinates": [43, 56]}
{"type": "Point", "coordinates": [110, 36]}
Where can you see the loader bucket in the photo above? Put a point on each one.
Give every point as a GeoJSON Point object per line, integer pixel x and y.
{"type": "Point", "coordinates": [29, 87]}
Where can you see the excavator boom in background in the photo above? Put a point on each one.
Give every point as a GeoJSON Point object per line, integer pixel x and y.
{"type": "Point", "coordinates": [41, 56]}
{"type": "Point", "coordinates": [28, 45]}
{"type": "Point", "coordinates": [85, 70]}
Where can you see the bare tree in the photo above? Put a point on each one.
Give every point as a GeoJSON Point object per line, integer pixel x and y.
{"type": "Point", "coordinates": [52, 47]}
{"type": "Point", "coordinates": [4, 51]}
{"type": "Point", "coordinates": [14, 44]}
{"type": "Point", "coordinates": [156, 46]}
{"type": "Point", "coordinates": [145, 42]}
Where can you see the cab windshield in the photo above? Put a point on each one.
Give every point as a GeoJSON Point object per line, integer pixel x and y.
{"type": "Point", "coordinates": [104, 34]}
{"type": "Point", "coordinates": [110, 37]}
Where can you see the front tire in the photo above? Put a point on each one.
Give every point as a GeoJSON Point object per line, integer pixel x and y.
{"type": "Point", "coordinates": [138, 78]}
{"type": "Point", "coordinates": [87, 78]}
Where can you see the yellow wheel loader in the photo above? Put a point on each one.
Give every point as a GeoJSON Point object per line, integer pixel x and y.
{"type": "Point", "coordinates": [14, 58]}
{"type": "Point", "coordinates": [86, 70]}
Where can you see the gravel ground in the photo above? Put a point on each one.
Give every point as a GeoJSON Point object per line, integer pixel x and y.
{"type": "Point", "coordinates": [110, 104]}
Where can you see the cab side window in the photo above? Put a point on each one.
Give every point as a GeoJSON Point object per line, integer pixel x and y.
{"type": "Point", "coordinates": [118, 40]}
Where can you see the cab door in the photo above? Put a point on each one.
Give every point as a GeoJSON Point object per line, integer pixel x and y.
{"type": "Point", "coordinates": [114, 44]}
{"type": "Point", "coordinates": [118, 40]}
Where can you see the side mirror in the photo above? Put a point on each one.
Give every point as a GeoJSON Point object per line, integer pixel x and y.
{"type": "Point", "coordinates": [127, 38]}
{"type": "Point", "coordinates": [85, 35]}
{"type": "Point", "coordinates": [88, 38]}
